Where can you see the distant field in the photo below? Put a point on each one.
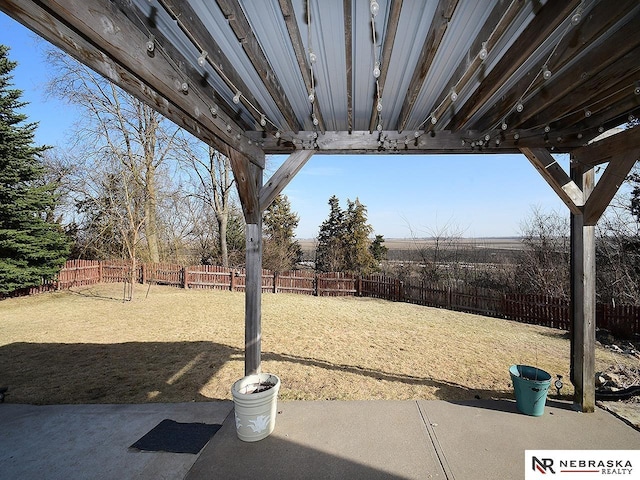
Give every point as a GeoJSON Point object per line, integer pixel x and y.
{"type": "Point", "coordinates": [405, 249]}
{"type": "Point", "coordinates": [175, 345]}
{"type": "Point", "coordinates": [500, 243]}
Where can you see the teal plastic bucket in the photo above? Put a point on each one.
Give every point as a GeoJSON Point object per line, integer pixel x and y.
{"type": "Point", "coordinates": [530, 385]}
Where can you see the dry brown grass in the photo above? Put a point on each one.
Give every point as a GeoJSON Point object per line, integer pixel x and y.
{"type": "Point", "coordinates": [87, 346]}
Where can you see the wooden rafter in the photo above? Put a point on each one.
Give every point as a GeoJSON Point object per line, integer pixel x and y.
{"type": "Point", "coordinates": [579, 66]}
{"type": "Point", "coordinates": [494, 27]}
{"type": "Point", "coordinates": [200, 36]}
{"type": "Point", "coordinates": [301, 56]}
{"type": "Point", "coordinates": [543, 24]}
{"type": "Point", "coordinates": [148, 26]}
{"type": "Point", "coordinates": [98, 33]}
{"type": "Point", "coordinates": [575, 91]}
{"type": "Point", "coordinates": [389, 39]}
{"type": "Point", "coordinates": [438, 28]}
{"type": "Point", "coordinates": [348, 52]}
{"type": "Point", "coordinates": [240, 26]}
{"type": "Point", "coordinates": [571, 109]}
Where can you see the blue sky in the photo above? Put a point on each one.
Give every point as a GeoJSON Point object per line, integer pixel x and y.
{"type": "Point", "coordinates": [405, 195]}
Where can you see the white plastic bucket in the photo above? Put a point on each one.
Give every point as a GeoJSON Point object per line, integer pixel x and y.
{"type": "Point", "coordinates": [255, 411]}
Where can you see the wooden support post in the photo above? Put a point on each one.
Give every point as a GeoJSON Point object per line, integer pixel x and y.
{"type": "Point", "coordinates": [248, 176]}
{"type": "Point", "coordinates": [253, 299]}
{"type": "Point", "coordinates": [586, 202]}
{"type": "Point", "coordinates": [583, 299]}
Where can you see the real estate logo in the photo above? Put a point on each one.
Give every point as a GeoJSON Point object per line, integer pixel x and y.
{"type": "Point", "coordinates": [582, 464]}
{"type": "Point", "coordinates": [543, 465]}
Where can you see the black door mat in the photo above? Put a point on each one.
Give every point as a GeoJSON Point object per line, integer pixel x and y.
{"type": "Point", "coordinates": [175, 437]}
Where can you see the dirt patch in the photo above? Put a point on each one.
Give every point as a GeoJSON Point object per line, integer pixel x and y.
{"type": "Point", "coordinates": [88, 346]}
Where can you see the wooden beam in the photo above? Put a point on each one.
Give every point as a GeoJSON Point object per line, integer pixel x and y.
{"type": "Point", "coordinates": [393, 142]}
{"type": "Point", "coordinates": [288, 14]}
{"type": "Point", "coordinates": [608, 185]}
{"type": "Point", "coordinates": [556, 177]}
{"type": "Point", "coordinates": [387, 48]}
{"type": "Point", "coordinates": [583, 300]}
{"type": "Point", "coordinates": [283, 176]}
{"type": "Point", "coordinates": [87, 31]}
{"type": "Point", "coordinates": [240, 26]}
{"type": "Point", "coordinates": [608, 148]}
{"type": "Point", "coordinates": [428, 52]}
{"type": "Point", "coordinates": [546, 20]}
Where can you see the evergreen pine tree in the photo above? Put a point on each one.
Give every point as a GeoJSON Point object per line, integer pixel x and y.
{"type": "Point", "coordinates": [30, 247]}
{"type": "Point", "coordinates": [281, 251]}
{"type": "Point", "coordinates": [343, 241]}
{"type": "Point", "coordinates": [378, 249]}
{"type": "Point", "coordinates": [236, 243]}
{"type": "Point", "coordinates": [358, 257]}
{"type": "Point", "coordinates": [330, 251]}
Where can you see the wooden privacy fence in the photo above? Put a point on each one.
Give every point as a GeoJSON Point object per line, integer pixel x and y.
{"type": "Point", "coordinates": [623, 320]}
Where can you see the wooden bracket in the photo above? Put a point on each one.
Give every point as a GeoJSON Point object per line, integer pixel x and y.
{"type": "Point", "coordinates": [608, 185]}
{"type": "Point", "coordinates": [283, 176]}
{"type": "Point", "coordinates": [556, 177]}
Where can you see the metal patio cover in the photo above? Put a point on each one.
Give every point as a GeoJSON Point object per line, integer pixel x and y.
{"type": "Point", "coordinates": [340, 76]}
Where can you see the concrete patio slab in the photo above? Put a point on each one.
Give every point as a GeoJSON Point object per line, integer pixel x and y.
{"type": "Point", "coordinates": [328, 440]}
{"type": "Point", "coordinates": [92, 441]}
{"type": "Point", "coordinates": [480, 439]}
{"type": "Point", "coordinates": [488, 438]}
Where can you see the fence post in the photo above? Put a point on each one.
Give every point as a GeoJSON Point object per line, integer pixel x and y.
{"type": "Point", "coordinates": [144, 273]}
{"type": "Point", "coordinates": [185, 277]}
{"type": "Point", "coordinates": [359, 286]}
{"type": "Point", "coordinates": [275, 282]}
{"type": "Point", "coordinates": [315, 285]}
{"type": "Point", "coordinates": [504, 305]}
{"type": "Point", "coordinates": [232, 277]}
{"type": "Point", "coordinates": [99, 271]}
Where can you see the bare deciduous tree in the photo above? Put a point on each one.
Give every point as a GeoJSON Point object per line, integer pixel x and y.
{"type": "Point", "coordinates": [127, 142]}
{"type": "Point", "coordinates": [618, 245]}
{"type": "Point", "coordinates": [213, 184]}
{"type": "Point", "coordinates": [546, 258]}
{"type": "Point", "coordinates": [438, 248]}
